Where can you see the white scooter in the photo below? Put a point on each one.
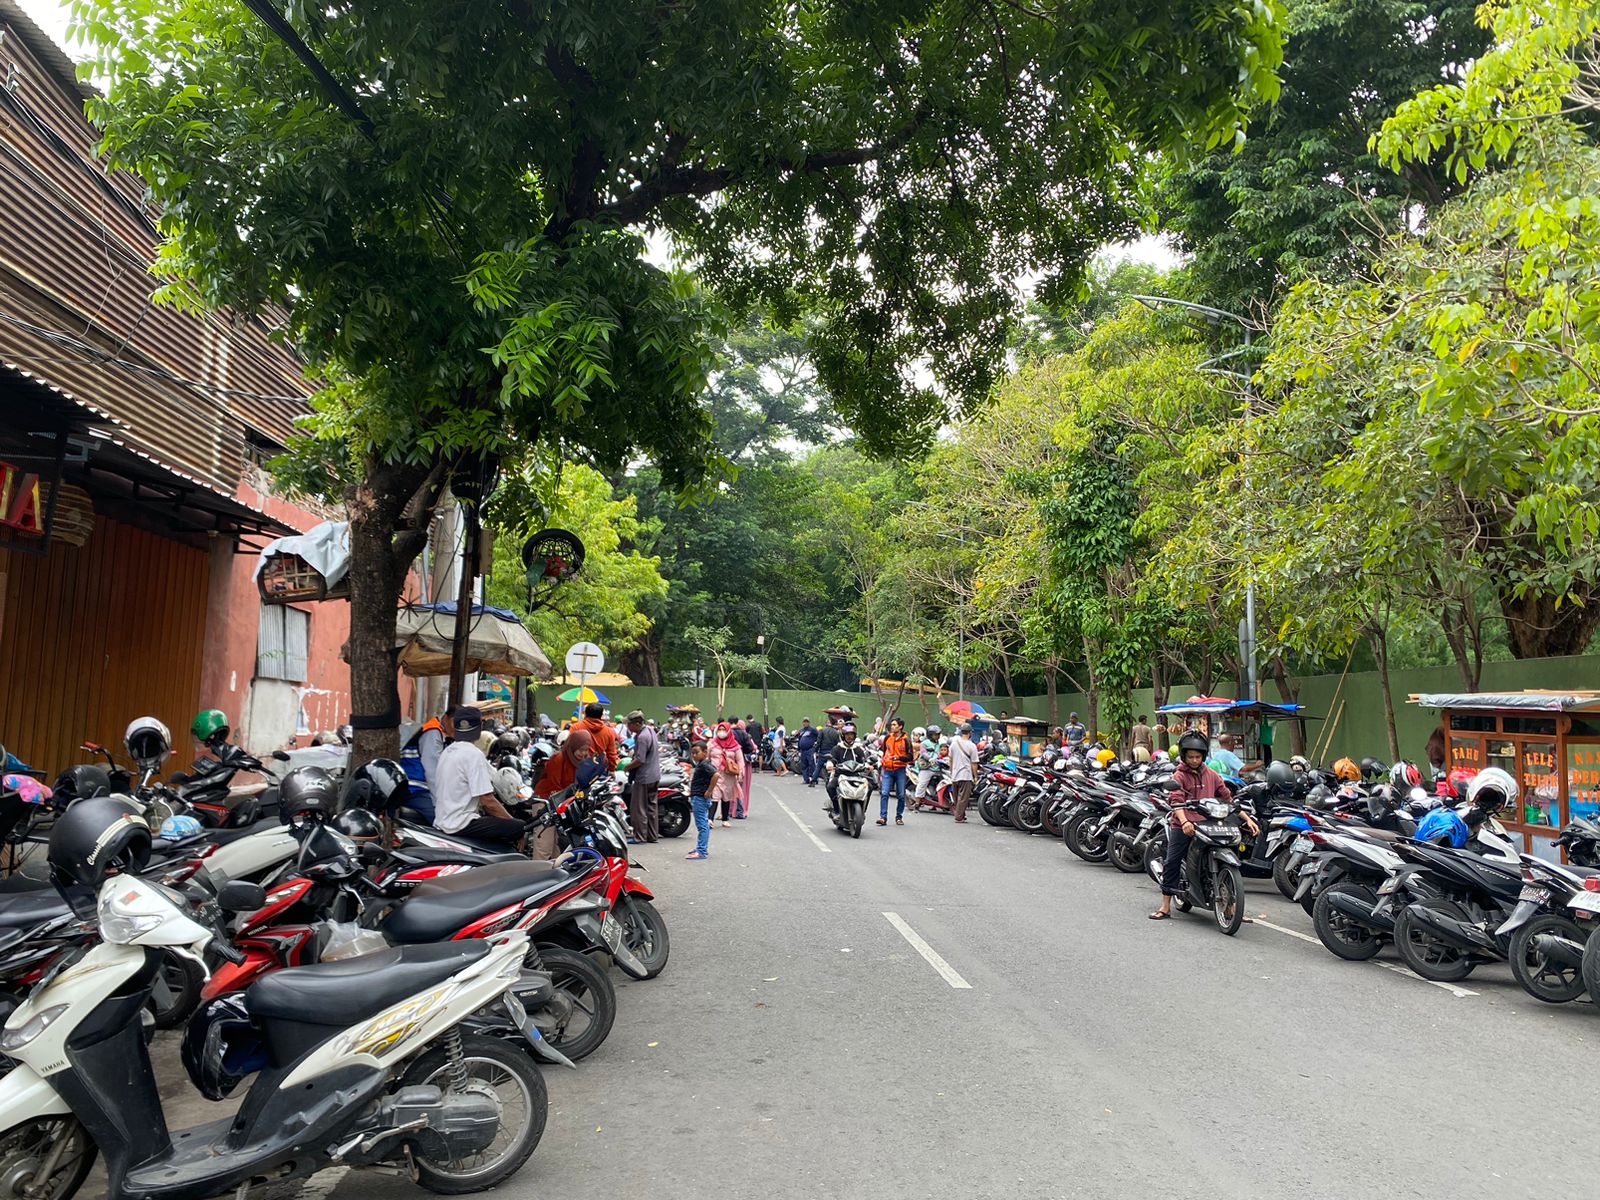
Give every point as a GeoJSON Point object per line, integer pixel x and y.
{"type": "Point", "coordinates": [361, 1062]}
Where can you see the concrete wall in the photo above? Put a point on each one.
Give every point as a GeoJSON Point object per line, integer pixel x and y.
{"type": "Point", "coordinates": [1357, 728]}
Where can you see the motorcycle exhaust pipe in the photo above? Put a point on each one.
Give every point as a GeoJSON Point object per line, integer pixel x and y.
{"type": "Point", "coordinates": [1122, 839]}
{"type": "Point", "coordinates": [1361, 912]}
{"type": "Point", "coordinates": [1457, 933]}
{"type": "Point", "coordinates": [1558, 949]}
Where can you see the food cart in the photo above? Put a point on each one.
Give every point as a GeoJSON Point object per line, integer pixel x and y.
{"type": "Point", "coordinates": [1248, 720]}
{"type": "Point", "coordinates": [1026, 735]}
{"type": "Point", "coordinates": [1548, 741]}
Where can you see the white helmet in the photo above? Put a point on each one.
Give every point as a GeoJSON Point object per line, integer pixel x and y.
{"type": "Point", "coordinates": [149, 743]}
{"type": "Point", "coordinates": [1492, 779]}
{"type": "Point", "coordinates": [919, 732]}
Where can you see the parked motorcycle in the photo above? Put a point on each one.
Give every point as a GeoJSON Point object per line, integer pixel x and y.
{"type": "Point", "coordinates": [360, 1062]}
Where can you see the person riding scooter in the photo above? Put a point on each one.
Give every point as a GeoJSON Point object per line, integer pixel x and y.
{"type": "Point", "coordinates": [1192, 782]}
{"type": "Point", "coordinates": [848, 751]}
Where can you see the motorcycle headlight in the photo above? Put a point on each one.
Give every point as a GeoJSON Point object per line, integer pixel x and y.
{"type": "Point", "coordinates": [15, 1039]}
{"type": "Point", "coordinates": [1217, 809]}
{"type": "Point", "coordinates": [122, 928]}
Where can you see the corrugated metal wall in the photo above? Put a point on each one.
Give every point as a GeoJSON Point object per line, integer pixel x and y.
{"type": "Point", "coordinates": [93, 636]}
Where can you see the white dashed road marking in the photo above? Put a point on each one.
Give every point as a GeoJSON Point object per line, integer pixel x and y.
{"type": "Point", "coordinates": [935, 960]}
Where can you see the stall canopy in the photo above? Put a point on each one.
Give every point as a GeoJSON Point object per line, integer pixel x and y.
{"type": "Point", "coordinates": [1207, 705]}
{"type": "Point", "coordinates": [1555, 702]}
{"type": "Point", "coordinates": [497, 642]}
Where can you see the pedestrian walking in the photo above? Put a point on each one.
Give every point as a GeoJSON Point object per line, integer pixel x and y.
{"type": "Point", "coordinates": [963, 758]}
{"type": "Point", "coordinates": [776, 741]}
{"type": "Point", "coordinates": [805, 741]}
{"type": "Point", "coordinates": [829, 737]}
{"type": "Point", "coordinates": [644, 775]}
{"type": "Point", "coordinates": [1142, 735]}
{"type": "Point", "coordinates": [701, 781]}
{"type": "Point", "coordinates": [896, 758]}
{"type": "Point", "coordinates": [727, 760]}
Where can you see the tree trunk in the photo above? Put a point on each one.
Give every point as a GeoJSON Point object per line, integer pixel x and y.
{"type": "Point", "coordinates": [1543, 625]}
{"type": "Point", "coordinates": [1158, 700]}
{"type": "Point", "coordinates": [1093, 693]}
{"type": "Point", "coordinates": [1289, 693]}
{"type": "Point", "coordinates": [1378, 638]}
{"type": "Point", "coordinates": [642, 663]}
{"type": "Point", "coordinates": [1005, 674]}
{"type": "Point", "coordinates": [389, 514]}
{"type": "Point", "coordinates": [1050, 690]}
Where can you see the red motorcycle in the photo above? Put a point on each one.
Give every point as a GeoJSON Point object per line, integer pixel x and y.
{"type": "Point", "coordinates": [569, 998]}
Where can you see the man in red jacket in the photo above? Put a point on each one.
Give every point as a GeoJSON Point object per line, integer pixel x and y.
{"type": "Point", "coordinates": [1192, 782]}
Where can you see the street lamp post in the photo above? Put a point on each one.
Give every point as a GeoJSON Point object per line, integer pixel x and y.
{"type": "Point", "coordinates": [1216, 316]}
{"type": "Point", "coordinates": [761, 647]}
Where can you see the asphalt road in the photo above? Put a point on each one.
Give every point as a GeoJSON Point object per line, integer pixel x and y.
{"type": "Point", "coordinates": [799, 1045]}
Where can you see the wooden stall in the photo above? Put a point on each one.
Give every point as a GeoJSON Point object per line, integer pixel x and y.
{"type": "Point", "coordinates": [1548, 741]}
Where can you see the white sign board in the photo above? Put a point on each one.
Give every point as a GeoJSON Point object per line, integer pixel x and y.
{"type": "Point", "coordinates": [585, 659]}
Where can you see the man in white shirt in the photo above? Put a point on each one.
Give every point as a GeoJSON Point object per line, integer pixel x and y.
{"type": "Point", "coordinates": [963, 759]}
{"type": "Point", "coordinates": [463, 791]}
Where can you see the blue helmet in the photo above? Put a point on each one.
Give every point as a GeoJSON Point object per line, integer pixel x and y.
{"type": "Point", "coordinates": [177, 828]}
{"type": "Point", "coordinates": [1442, 827]}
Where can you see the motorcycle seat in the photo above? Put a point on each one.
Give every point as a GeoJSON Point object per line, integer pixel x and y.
{"type": "Point", "coordinates": [442, 908]}
{"type": "Point", "coordinates": [426, 856]}
{"type": "Point", "coordinates": [24, 909]}
{"type": "Point", "coordinates": [345, 990]}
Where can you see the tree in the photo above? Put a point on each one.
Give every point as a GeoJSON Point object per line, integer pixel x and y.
{"type": "Point", "coordinates": [443, 202]}
{"type": "Point", "coordinates": [729, 663]}
{"type": "Point", "coordinates": [604, 602]}
{"type": "Point", "coordinates": [1306, 195]}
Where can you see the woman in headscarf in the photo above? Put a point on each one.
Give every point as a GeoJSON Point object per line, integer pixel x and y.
{"type": "Point", "coordinates": [560, 773]}
{"type": "Point", "coordinates": [727, 760]}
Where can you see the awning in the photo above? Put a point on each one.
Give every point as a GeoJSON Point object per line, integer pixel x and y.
{"type": "Point", "coordinates": [1523, 701]}
{"type": "Point", "coordinates": [497, 643]}
{"type": "Point", "coordinates": [1199, 706]}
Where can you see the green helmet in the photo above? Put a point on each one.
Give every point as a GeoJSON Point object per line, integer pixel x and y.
{"type": "Point", "coordinates": [210, 725]}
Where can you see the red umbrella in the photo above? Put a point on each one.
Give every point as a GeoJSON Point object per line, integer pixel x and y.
{"type": "Point", "coordinates": [965, 710]}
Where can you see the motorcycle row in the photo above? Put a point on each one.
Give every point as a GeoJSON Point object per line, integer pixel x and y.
{"type": "Point", "coordinates": [1374, 856]}
{"type": "Point", "coordinates": [391, 988]}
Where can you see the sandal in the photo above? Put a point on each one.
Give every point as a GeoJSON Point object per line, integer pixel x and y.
{"type": "Point", "coordinates": [883, 821]}
{"type": "Point", "coordinates": [695, 856]}
{"type": "Point", "coordinates": [1158, 915]}
{"type": "Point", "coordinates": [898, 821]}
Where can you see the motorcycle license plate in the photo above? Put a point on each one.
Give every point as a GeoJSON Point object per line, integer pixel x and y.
{"type": "Point", "coordinates": [1585, 902]}
{"type": "Point", "coordinates": [1221, 831]}
{"type": "Point", "coordinates": [1302, 845]}
{"type": "Point", "coordinates": [611, 933]}
{"type": "Point", "coordinates": [1389, 886]}
{"type": "Point", "coordinates": [1532, 892]}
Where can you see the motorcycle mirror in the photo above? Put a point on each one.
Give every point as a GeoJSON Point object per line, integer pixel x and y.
{"type": "Point", "coordinates": [240, 895]}
{"type": "Point", "coordinates": [280, 756]}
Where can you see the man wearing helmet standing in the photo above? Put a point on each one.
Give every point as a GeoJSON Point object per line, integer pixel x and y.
{"type": "Point", "coordinates": [1192, 782]}
{"type": "Point", "coordinates": [463, 794]}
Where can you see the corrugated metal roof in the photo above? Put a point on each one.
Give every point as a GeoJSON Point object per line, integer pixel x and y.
{"type": "Point", "coordinates": [75, 307]}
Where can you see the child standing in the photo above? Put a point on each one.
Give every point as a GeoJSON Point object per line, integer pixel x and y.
{"type": "Point", "coordinates": [700, 799]}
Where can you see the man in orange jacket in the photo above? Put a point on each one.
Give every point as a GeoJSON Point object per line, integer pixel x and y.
{"type": "Point", "coordinates": [896, 758]}
{"type": "Point", "coordinates": [603, 737]}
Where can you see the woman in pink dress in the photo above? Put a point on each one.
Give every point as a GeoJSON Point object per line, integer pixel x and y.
{"type": "Point", "coordinates": [727, 760]}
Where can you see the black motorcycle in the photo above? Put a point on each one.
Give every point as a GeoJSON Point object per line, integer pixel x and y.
{"type": "Point", "coordinates": [1209, 876]}
{"type": "Point", "coordinates": [1444, 937]}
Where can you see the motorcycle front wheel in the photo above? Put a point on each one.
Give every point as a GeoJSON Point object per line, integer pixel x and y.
{"type": "Point", "coordinates": [1541, 977]}
{"type": "Point", "coordinates": [1124, 852]}
{"type": "Point", "coordinates": [1227, 897]}
{"type": "Point", "coordinates": [858, 817]}
{"type": "Point", "coordinates": [25, 1149]}
{"type": "Point", "coordinates": [492, 1068]}
{"type": "Point", "coordinates": [591, 1001]}
{"type": "Point", "coordinates": [644, 932]}
{"type": "Point", "coordinates": [1426, 954]}
{"type": "Point", "coordinates": [1286, 873]}
{"type": "Point", "coordinates": [1343, 936]}
{"type": "Point", "coordinates": [1082, 839]}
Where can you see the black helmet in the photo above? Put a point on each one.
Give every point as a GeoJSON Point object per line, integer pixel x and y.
{"type": "Point", "coordinates": [389, 785]}
{"type": "Point", "coordinates": [81, 782]}
{"type": "Point", "coordinates": [91, 840]}
{"type": "Point", "coordinates": [221, 1046]}
{"type": "Point", "coordinates": [359, 825]}
{"type": "Point", "coordinates": [308, 790]}
{"type": "Point", "coordinates": [1371, 768]}
{"type": "Point", "coordinates": [1194, 740]}
{"type": "Point", "coordinates": [1281, 775]}
{"type": "Point", "coordinates": [505, 744]}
